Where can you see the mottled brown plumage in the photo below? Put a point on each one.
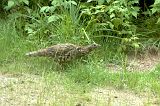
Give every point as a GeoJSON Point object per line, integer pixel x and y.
{"type": "Point", "coordinates": [64, 52]}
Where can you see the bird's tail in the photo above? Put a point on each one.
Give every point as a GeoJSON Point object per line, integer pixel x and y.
{"type": "Point", "coordinates": [34, 53]}
{"type": "Point", "coordinates": [37, 53]}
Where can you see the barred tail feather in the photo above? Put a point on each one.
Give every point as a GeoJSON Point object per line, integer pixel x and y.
{"type": "Point", "coordinates": [34, 53]}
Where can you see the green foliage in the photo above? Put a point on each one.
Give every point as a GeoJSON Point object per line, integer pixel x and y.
{"type": "Point", "coordinates": [53, 12]}
{"type": "Point", "coordinates": [58, 21]}
{"type": "Point", "coordinates": [112, 20]}
{"type": "Point", "coordinates": [69, 20]}
{"type": "Point", "coordinates": [156, 7]}
{"type": "Point", "coordinates": [14, 3]}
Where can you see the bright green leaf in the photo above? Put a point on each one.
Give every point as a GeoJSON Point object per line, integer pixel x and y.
{"type": "Point", "coordinates": [116, 2]}
{"type": "Point", "coordinates": [57, 3]}
{"type": "Point", "coordinates": [10, 5]}
{"type": "Point", "coordinates": [125, 40]}
{"type": "Point", "coordinates": [44, 9]}
{"type": "Point", "coordinates": [108, 1]}
{"type": "Point", "coordinates": [52, 8]}
{"type": "Point", "coordinates": [117, 22]}
{"type": "Point", "coordinates": [100, 2]}
{"type": "Point", "coordinates": [158, 22]}
{"type": "Point", "coordinates": [154, 10]}
{"type": "Point", "coordinates": [26, 2]}
{"type": "Point", "coordinates": [72, 2]}
{"type": "Point", "coordinates": [98, 11]}
{"type": "Point", "coordinates": [90, 0]}
{"type": "Point", "coordinates": [111, 25]}
{"type": "Point", "coordinates": [112, 15]}
{"type": "Point", "coordinates": [156, 2]}
{"type": "Point", "coordinates": [53, 18]}
{"type": "Point", "coordinates": [135, 45]}
{"type": "Point", "coordinates": [134, 13]}
{"type": "Point", "coordinates": [136, 8]}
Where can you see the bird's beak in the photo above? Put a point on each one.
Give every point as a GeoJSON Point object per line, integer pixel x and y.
{"type": "Point", "coordinates": [98, 45]}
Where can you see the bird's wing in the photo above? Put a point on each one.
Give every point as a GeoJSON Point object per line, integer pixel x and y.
{"type": "Point", "coordinates": [61, 49]}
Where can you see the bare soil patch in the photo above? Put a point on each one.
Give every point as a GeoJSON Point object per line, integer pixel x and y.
{"type": "Point", "coordinates": [28, 90]}
{"type": "Point", "coordinates": [114, 97]}
{"type": "Point", "coordinates": [140, 63]}
{"type": "Point", "coordinates": [32, 90]}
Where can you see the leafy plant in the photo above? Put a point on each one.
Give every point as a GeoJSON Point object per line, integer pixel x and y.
{"type": "Point", "coordinates": [156, 9]}
{"type": "Point", "coordinates": [54, 12]}
{"type": "Point", "coordinates": [14, 3]}
{"type": "Point", "coordinates": [112, 20]}
{"type": "Point", "coordinates": [58, 21]}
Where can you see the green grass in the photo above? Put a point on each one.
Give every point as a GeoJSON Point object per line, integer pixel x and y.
{"type": "Point", "coordinates": [77, 78]}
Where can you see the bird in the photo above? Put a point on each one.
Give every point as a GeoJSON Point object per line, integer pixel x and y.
{"type": "Point", "coordinates": [64, 52]}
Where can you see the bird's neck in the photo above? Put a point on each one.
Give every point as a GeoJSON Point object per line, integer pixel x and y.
{"type": "Point", "coordinates": [86, 49]}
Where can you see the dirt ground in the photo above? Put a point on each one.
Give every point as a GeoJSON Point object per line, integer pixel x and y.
{"type": "Point", "coordinates": [22, 90]}
{"type": "Point", "coordinates": [32, 90]}
{"type": "Point", "coordinates": [140, 63]}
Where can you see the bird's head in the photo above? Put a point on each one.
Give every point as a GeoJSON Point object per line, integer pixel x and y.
{"type": "Point", "coordinates": [93, 46]}
{"type": "Point", "coordinates": [89, 48]}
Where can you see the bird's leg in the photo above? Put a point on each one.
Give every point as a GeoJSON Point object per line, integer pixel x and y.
{"type": "Point", "coordinates": [60, 66]}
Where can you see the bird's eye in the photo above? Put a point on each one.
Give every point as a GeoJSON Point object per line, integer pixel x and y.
{"type": "Point", "coordinates": [95, 45]}
{"type": "Point", "coordinates": [79, 49]}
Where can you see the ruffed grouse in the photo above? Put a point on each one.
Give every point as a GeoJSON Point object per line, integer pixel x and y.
{"type": "Point", "coordinates": [64, 52]}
